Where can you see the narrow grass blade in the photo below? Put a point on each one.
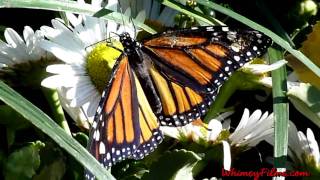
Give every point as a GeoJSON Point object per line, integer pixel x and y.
{"type": "Point", "coordinates": [280, 109]}
{"type": "Point", "coordinates": [49, 127]}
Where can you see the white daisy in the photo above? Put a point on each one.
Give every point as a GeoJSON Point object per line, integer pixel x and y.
{"type": "Point", "coordinates": [22, 61]}
{"type": "Point", "coordinates": [197, 131]}
{"type": "Point", "coordinates": [252, 129]}
{"type": "Point", "coordinates": [87, 65]}
{"type": "Point", "coordinates": [303, 149]}
{"type": "Point", "coordinates": [19, 50]}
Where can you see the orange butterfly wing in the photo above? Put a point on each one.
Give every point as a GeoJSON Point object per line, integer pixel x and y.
{"type": "Point", "coordinates": [125, 125]}
{"type": "Point", "coordinates": [172, 77]}
{"type": "Point", "coordinates": [189, 66]}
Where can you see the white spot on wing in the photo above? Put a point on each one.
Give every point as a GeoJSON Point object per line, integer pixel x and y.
{"type": "Point", "coordinates": [237, 58]}
{"type": "Point", "coordinates": [102, 148]}
{"type": "Point", "coordinates": [225, 28]}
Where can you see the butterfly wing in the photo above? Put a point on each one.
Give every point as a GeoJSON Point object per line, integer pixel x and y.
{"type": "Point", "coordinates": [124, 125]}
{"type": "Point", "coordinates": [174, 76]}
{"type": "Point", "coordinates": [188, 66]}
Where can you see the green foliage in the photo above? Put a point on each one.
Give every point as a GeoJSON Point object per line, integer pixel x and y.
{"type": "Point", "coordinates": [177, 164]}
{"type": "Point", "coordinates": [53, 171]}
{"type": "Point", "coordinates": [23, 163]}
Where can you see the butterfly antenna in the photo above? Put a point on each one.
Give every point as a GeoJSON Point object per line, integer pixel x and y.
{"type": "Point", "coordinates": [134, 26]}
{"type": "Point", "coordinates": [108, 40]}
{"type": "Point", "coordinates": [121, 11]}
{"type": "Point", "coordinates": [131, 19]}
{"type": "Point", "coordinates": [120, 50]}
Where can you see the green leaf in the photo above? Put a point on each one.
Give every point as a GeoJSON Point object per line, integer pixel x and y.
{"type": "Point", "coordinates": [49, 127]}
{"type": "Point", "coordinates": [72, 7]}
{"type": "Point", "coordinates": [306, 98]}
{"type": "Point", "coordinates": [177, 164]}
{"type": "Point", "coordinates": [53, 171]}
{"type": "Point", "coordinates": [23, 163]}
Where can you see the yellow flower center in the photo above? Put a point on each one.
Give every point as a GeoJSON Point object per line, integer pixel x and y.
{"type": "Point", "coordinates": [100, 62]}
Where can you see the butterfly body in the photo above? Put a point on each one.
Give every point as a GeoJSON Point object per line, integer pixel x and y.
{"type": "Point", "coordinates": [169, 79]}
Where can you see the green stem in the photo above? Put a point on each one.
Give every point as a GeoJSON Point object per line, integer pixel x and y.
{"type": "Point", "coordinates": [280, 109]}
{"type": "Point", "coordinates": [57, 111]}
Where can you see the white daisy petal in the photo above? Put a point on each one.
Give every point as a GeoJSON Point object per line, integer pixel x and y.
{"type": "Point", "coordinates": [252, 129]}
{"type": "Point", "coordinates": [13, 38]}
{"type": "Point", "coordinates": [96, 3]}
{"type": "Point", "coordinates": [95, 99]}
{"type": "Point", "coordinates": [62, 52]}
{"type": "Point", "coordinates": [66, 69]}
{"type": "Point", "coordinates": [50, 32]}
{"type": "Point", "coordinates": [63, 35]}
{"type": "Point", "coordinates": [112, 5]}
{"type": "Point", "coordinates": [241, 125]}
{"type": "Point", "coordinates": [80, 100]}
{"type": "Point", "coordinates": [18, 50]}
{"type": "Point", "coordinates": [6, 61]}
{"type": "Point", "coordinates": [28, 35]}
{"type": "Point", "coordinates": [314, 147]}
{"type": "Point", "coordinates": [82, 85]}
{"type": "Point", "coordinates": [226, 155]}
{"type": "Point", "coordinates": [263, 68]}
{"type": "Point", "coordinates": [59, 81]}
{"type": "Point", "coordinates": [216, 127]}
{"type": "Point", "coordinates": [170, 131]}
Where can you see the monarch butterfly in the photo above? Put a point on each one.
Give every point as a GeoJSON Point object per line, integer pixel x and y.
{"type": "Point", "coordinates": [169, 79]}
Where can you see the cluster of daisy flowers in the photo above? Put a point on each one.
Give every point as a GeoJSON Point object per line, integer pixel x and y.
{"type": "Point", "coordinates": [85, 61]}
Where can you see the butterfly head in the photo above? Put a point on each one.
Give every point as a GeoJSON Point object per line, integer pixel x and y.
{"type": "Point", "coordinates": [127, 42]}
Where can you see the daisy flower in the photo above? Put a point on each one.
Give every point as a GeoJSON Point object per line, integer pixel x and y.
{"type": "Point", "coordinates": [303, 148]}
{"type": "Point", "coordinates": [251, 130]}
{"type": "Point", "coordinates": [19, 50]}
{"type": "Point", "coordinates": [22, 60]}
